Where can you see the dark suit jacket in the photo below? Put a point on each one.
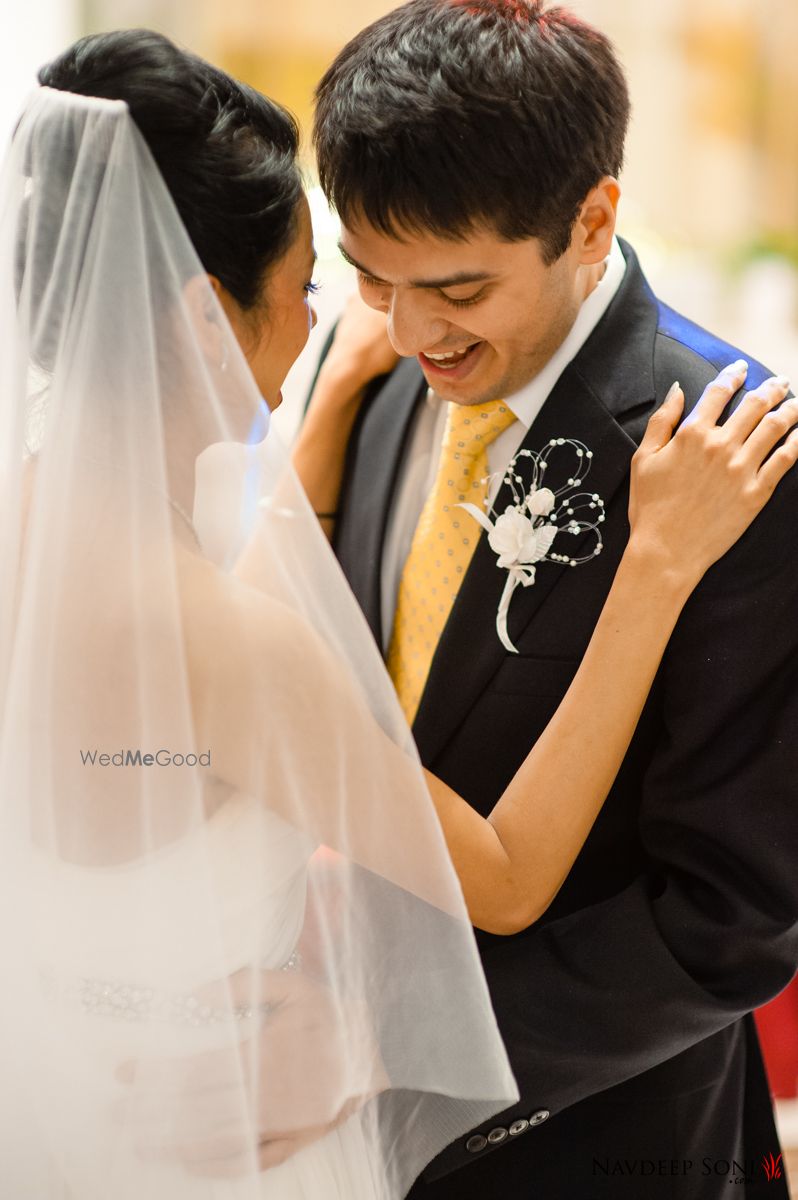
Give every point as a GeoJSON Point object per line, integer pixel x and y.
{"type": "Point", "coordinates": [624, 1008]}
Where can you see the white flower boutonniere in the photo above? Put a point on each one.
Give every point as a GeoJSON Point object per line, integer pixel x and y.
{"type": "Point", "coordinates": [524, 533]}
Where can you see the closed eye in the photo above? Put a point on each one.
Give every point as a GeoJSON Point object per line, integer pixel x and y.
{"type": "Point", "coordinates": [467, 302]}
{"type": "Point", "coordinates": [368, 280]}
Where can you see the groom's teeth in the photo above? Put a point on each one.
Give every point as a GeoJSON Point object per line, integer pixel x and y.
{"type": "Point", "coordinates": [458, 355]}
{"type": "Point", "coordinates": [450, 359]}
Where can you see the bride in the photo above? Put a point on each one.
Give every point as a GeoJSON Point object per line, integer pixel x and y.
{"type": "Point", "coordinates": [211, 806]}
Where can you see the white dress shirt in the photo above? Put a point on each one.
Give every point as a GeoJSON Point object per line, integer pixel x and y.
{"type": "Point", "coordinates": [420, 466]}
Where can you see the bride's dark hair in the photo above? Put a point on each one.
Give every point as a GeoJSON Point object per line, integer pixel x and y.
{"type": "Point", "coordinates": [226, 152]}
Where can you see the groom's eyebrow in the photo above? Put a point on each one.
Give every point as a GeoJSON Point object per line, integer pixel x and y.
{"type": "Point", "coordinates": [448, 281]}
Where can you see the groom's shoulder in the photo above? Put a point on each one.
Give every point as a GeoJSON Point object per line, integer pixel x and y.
{"type": "Point", "coordinates": [640, 327]}
{"type": "Point", "coordinates": [687, 352]}
{"type": "Point", "coordinates": [694, 355]}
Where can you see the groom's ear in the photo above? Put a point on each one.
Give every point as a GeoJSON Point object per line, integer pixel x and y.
{"type": "Point", "coordinates": [595, 225]}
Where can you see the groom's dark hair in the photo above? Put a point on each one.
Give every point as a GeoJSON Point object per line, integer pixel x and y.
{"type": "Point", "coordinates": [445, 116]}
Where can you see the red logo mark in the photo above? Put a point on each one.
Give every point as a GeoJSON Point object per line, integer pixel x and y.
{"type": "Point", "coordinates": [772, 1167]}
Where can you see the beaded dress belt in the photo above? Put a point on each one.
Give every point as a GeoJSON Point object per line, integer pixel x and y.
{"type": "Point", "coordinates": [131, 1002]}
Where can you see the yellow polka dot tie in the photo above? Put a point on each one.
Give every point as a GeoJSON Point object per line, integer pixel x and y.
{"type": "Point", "coordinates": [445, 539]}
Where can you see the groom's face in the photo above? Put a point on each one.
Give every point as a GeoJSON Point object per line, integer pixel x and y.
{"type": "Point", "coordinates": [493, 305]}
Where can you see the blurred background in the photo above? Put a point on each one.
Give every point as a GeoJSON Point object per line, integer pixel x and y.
{"type": "Point", "coordinates": [711, 182]}
{"type": "Point", "coordinates": [710, 187]}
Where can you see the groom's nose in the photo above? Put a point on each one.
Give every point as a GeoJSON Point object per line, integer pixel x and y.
{"type": "Point", "coordinates": [412, 327]}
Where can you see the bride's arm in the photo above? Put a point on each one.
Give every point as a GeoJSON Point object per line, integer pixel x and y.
{"type": "Point", "coordinates": [693, 495]}
{"type": "Point", "coordinates": [359, 353]}
{"type": "Point", "coordinates": [512, 864]}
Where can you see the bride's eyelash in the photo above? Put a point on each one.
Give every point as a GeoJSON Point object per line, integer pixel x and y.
{"type": "Point", "coordinates": [311, 287]}
{"type": "Point", "coordinates": [368, 280]}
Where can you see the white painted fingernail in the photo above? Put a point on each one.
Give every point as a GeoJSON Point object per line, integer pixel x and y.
{"type": "Point", "coordinates": [741, 365]}
{"type": "Point", "coordinates": [783, 382]}
{"type": "Point", "coordinates": [672, 392]}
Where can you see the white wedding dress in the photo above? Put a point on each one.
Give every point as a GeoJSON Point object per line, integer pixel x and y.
{"type": "Point", "coordinates": [124, 396]}
{"type": "Point", "coordinates": [111, 998]}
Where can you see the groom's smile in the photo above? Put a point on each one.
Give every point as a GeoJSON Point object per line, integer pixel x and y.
{"type": "Point", "coordinates": [481, 314]}
{"type": "Point", "coordinates": [451, 365]}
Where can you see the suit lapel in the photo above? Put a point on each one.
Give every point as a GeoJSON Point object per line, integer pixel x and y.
{"type": "Point", "coordinates": [371, 475]}
{"type": "Point", "coordinates": [610, 378]}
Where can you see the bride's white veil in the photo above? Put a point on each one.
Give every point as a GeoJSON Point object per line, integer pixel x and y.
{"type": "Point", "coordinates": [210, 806]}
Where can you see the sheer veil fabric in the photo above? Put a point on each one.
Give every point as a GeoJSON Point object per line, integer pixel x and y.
{"type": "Point", "coordinates": [204, 772]}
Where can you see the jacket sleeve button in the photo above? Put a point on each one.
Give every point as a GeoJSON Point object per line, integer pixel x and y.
{"type": "Point", "coordinates": [537, 1118]}
{"type": "Point", "coordinates": [476, 1143]}
{"type": "Point", "coordinates": [518, 1127]}
{"type": "Point", "coordinates": [497, 1135]}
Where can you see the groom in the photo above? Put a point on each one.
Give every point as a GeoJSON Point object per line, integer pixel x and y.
{"type": "Point", "coordinates": [472, 150]}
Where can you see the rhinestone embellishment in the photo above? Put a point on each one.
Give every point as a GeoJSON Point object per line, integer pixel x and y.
{"type": "Point", "coordinates": [129, 1002]}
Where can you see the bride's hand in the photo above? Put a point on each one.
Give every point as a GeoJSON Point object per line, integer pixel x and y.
{"type": "Point", "coordinates": [297, 1069]}
{"type": "Point", "coordinates": [359, 353]}
{"type": "Point", "coordinates": [695, 492]}
{"type": "Point", "coordinates": [360, 350]}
